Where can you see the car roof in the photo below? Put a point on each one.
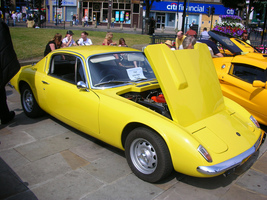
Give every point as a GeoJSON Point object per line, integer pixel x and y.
{"type": "Point", "coordinates": [225, 41]}
{"type": "Point", "coordinates": [87, 51]}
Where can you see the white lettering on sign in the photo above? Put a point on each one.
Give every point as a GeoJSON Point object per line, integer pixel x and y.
{"type": "Point", "coordinates": [173, 6]}
{"type": "Point", "coordinates": [230, 11]}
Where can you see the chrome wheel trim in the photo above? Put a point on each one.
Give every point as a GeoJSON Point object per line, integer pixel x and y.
{"type": "Point", "coordinates": [143, 156]}
{"type": "Point", "coordinates": [28, 100]}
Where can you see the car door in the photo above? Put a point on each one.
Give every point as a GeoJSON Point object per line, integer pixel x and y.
{"type": "Point", "coordinates": [238, 85]}
{"type": "Point", "coordinates": [76, 107]}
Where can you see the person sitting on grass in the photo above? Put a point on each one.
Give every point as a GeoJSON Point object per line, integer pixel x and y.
{"type": "Point", "coordinates": [53, 44]}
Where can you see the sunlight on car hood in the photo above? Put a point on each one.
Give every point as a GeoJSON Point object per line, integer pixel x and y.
{"type": "Point", "coordinates": [188, 81]}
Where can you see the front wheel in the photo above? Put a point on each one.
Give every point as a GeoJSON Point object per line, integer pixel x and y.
{"type": "Point", "coordinates": [148, 155]}
{"type": "Point", "coordinates": [29, 104]}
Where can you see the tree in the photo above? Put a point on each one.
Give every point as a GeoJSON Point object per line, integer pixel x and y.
{"type": "Point", "coordinates": [241, 5]}
{"type": "Point", "coordinates": [148, 4]}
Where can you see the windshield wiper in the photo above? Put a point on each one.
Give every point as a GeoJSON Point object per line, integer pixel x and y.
{"type": "Point", "coordinates": [112, 81]}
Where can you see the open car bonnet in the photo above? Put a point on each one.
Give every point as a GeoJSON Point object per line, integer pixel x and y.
{"type": "Point", "coordinates": [188, 81]}
{"type": "Point", "coordinates": [226, 42]}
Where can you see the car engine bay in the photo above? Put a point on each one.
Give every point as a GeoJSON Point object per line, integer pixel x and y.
{"type": "Point", "coordinates": [152, 99]}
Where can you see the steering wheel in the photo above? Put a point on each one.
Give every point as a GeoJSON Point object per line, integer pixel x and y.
{"type": "Point", "coordinates": [108, 78]}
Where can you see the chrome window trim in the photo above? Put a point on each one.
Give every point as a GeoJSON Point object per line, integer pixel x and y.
{"type": "Point", "coordinates": [118, 85]}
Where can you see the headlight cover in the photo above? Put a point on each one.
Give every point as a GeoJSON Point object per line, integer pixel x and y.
{"type": "Point", "coordinates": [204, 153]}
{"type": "Point", "coordinates": [255, 122]}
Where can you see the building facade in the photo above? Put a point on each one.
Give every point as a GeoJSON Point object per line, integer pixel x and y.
{"type": "Point", "coordinates": [131, 13]}
{"type": "Point", "coordinates": [126, 12]}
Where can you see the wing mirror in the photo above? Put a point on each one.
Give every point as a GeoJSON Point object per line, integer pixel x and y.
{"type": "Point", "coordinates": [259, 84]}
{"type": "Point", "coordinates": [81, 85]}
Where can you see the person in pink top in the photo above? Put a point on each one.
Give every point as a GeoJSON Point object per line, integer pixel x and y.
{"type": "Point", "coordinates": [108, 40]}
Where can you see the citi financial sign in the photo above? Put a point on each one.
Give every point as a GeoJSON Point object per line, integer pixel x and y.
{"type": "Point", "coordinates": [197, 8]}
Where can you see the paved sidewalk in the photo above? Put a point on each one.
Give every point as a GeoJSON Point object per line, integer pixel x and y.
{"type": "Point", "coordinates": [47, 160]}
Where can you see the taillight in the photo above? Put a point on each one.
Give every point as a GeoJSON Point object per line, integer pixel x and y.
{"type": "Point", "coordinates": [255, 122]}
{"type": "Point", "coordinates": [204, 153]}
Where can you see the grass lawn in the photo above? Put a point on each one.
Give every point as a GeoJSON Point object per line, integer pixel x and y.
{"type": "Point", "coordinates": [30, 43]}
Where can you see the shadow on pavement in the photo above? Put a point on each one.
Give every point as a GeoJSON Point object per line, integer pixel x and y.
{"type": "Point", "coordinates": [12, 187]}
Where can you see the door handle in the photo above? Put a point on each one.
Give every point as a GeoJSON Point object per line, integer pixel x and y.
{"type": "Point", "coordinates": [44, 82]}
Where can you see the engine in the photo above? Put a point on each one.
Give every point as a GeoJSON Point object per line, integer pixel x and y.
{"type": "Point", "coordinates": [152, 99]}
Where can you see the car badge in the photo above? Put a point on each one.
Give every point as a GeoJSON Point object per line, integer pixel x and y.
{"type": "Point", "coordinates": [238, 134]}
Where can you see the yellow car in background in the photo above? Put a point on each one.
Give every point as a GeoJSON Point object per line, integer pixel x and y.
{"type": "Point", "coordinates": [165, 112]}
{"type": "Point", "coordinates": [242, 75]}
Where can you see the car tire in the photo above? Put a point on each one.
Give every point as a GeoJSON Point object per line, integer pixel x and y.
{"type": "Point", "coordinates": [148, 155]}
{"type": "Point", "coordinates": [29, 104]}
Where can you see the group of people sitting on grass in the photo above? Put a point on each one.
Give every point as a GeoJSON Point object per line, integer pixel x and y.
{"type": "Point", "coordinates": [57, 42]}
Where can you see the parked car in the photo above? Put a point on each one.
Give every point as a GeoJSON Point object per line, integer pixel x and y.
{"type": "Point", "coordinates": [165, 112]}
{"type": "Point", "coordinates": [242, 75]}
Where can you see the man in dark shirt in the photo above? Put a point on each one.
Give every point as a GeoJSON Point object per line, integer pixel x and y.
{"type": "Point", "coordinates": [212, 45]}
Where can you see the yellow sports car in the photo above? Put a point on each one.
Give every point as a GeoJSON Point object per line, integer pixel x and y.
{"type": "Point", "coordinates": [243, 75]}
{"type": "Point", "coordinates": [164, 108]}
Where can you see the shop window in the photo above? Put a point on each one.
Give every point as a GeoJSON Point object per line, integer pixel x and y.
{"type": "Point", "coordinates": [115, 6]}
{"type": "Point", "coordinates": [122, 16]}
{"type": "Point", "coordinates": [170, 19]}
{"type": "Point", "coordinates": [105, 15]}
{"type": "Point", "coordinates": [136, 8]}
{"type": "Point", "coordinates": [90, 4]}
{"type": "Point", "coordinates": [85, 4]}
{"type": "Point", "coordinates": [105, 5]}
{"type": "Point", "coordinates": [128, 6]}
{"type": "Point", "coordinates": [121, 6]}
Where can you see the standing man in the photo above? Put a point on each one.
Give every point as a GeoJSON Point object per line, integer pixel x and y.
{"type": "Point", "coordinates": [191, 32]}
{"type": "Point", "coordinates": [179, 40]}
{"type": "Point", "coordinates": [204, 35]}
{"type": "Point", "coordinates": [244, 37]}
{"type": "Point", "coordinates": [8, 68]}
{"type": "Point", "coordinates": [152, 26]}
{"type": "Point", "coordinates": [112, 22]}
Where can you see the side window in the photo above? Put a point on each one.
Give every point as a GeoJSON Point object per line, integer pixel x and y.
{"type": "Point", "coordinates": [67, 68]}
{"type": "Point", "coordinates": [248, 73]}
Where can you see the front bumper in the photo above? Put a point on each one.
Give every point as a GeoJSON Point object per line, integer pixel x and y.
{"type": "Point", "coordinates": [231, 163]}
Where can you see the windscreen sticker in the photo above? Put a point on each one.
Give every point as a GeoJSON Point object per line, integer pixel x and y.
{"type": "Point", "coordinates": [135, 73]}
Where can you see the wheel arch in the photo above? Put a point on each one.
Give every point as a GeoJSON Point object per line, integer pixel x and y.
{"type": "Point", "coordinates": [133, 125]}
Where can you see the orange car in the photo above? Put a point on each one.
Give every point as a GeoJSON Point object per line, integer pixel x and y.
{"type": "Point", "coordinates": [242, 75]}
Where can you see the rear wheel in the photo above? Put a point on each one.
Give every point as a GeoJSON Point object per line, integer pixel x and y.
{"type": "Point", "coordinates": [29, 104]}
{"type": "Point", "coordinates": [148, 155]}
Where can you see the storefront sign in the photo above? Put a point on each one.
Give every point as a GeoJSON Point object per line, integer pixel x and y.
{"type": "Point", "coordinates": [193, 8]}
{"type": "Point", "coordinates": [122, 16]}
{"type": "Point", "coordinates": [65, 2]}
{"type": "Point", "coordinates": [117, 16]}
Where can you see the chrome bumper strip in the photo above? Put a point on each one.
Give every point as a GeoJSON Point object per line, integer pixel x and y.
{"type": "Point", "coordinates": [228, 164]}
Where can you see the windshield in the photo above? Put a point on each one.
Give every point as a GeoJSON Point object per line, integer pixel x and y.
{"type": "Point", "coordinates": [109, 70]}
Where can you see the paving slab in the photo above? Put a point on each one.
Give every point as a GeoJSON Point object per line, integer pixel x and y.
{"type": "Point", "coordinates": [239, 193]}
{"type": "Point", "coordinates": [11, 185]}
{"type": "Point", "coordinates": [72, 185]}
{"type": "Point", "coordinates": [50, 145]}
{"type": "Point", "coordinates": [14, 159]}
{"type": "Point", "coordinates": [109, 169]}
{"type": "Point", "coordinates": [128, 187]}
{"type": "Point", "coordinates": [254, 181]}
{"type": "Point", "coordinates": [46, 128]}
{"type": "Point", "coordinates": [261, 164]}
{"type": "Point", "coordinates": [44, 170]}
{"type": "Point", "coordinates": [91, 150]}
{"type": "Point", "coordinates": [11, 139]}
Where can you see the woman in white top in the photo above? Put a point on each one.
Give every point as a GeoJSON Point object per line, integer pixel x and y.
{"type": "Point", "coordinates": [84, 40]}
